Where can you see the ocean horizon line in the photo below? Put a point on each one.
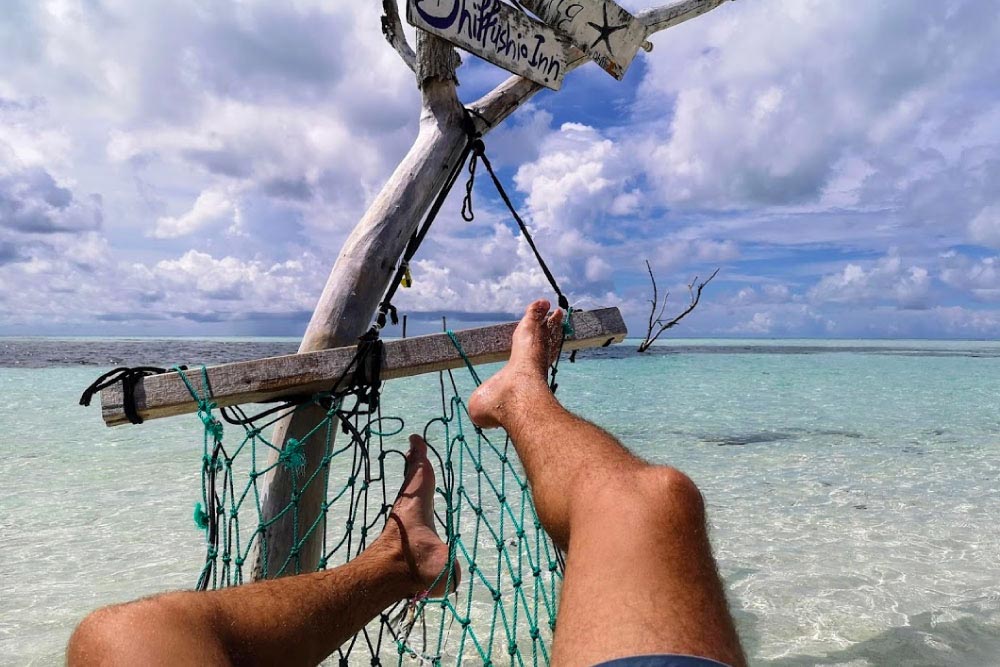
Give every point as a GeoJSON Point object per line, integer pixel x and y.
{"type": "Point", "coordinates": [628, 339]}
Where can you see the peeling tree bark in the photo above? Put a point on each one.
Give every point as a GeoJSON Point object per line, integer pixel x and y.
{"type": "Point", "coordinates": [368, 259]}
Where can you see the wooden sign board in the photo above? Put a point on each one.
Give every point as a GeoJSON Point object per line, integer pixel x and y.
{"type": "Point", "coordinates": [608, 34]}
{"type": "Point", "coordinates": [497, 32]}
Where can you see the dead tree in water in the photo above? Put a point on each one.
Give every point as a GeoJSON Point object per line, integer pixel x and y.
{"type": "Point", "coordinates": [656, 323]}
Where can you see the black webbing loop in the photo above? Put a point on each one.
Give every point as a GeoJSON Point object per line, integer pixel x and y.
{"type": "Point", "coordinates": [235, 415]}
{"type": "Point", "coordinates": [385, 307]}
{"type": "Point", "coordinates": [479, 153]}
{"type": "Point", "coordinates": [478, 148]}
{"type": "Point", "coordinates": [129, 377]}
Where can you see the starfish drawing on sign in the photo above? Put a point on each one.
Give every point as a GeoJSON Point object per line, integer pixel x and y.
{"type": "Point", "coordinates": [605, 31]}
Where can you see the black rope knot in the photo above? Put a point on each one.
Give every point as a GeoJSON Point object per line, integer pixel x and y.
{"type": "Point", "coordinates": [366, 381]}
{"type": "Point", "coordinates": [385, 309]}
{"type": "Point", "coordinates": [469, 125]}
{"type": "Point", "coordinates": [129, 378]}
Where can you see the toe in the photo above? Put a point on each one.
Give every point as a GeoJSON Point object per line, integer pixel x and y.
{"type": "Point", "coordinates": [536, 311]}
{"type": "Point", "coordinates": [555, 319]}
{"type": "Point", "coordinates": [418, 447]}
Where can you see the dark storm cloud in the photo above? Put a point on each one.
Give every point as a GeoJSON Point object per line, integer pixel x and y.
{"type": "Point", "coordinates": [290, 317]}
{"type": "Point", "coordinates": [222, 162]}
{"type": "Point", "coordinates": [297, 189]}
{"type": "Point", "coordinates": [9, 253]}
{"type": "Point", "coordinates": [130, 316]}
{"type": "Point", "coordinates": [31, 201]}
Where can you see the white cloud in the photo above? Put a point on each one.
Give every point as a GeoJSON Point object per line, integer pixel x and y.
{"type": "Point", "coordinates": [812, 106]}
{"type": "Point", "coordinates": [573, 179]}
{"type": "Point", "coordinates": [519, 140]}
{"type": "Point", "coordinates": [211, 208]}
{"type": "Point", "coordinates": [760, 324]}
{"type": "Point", "coordinates": [980, 278]}
{"type": "Point", "coordinates": [200, 278]}
{"type": "Point", "coordinates": [763, 294]}
{"type": "Point", "coordinates": [965, 322]}
{"type": "Point", "coordinates": [249, 124]}
{"type": "Point", "coordinates": [778, 139]}
{"type": "Point", "coordinates": [985, 227]}
{"type": "Point", "coordinates": [597, 269]}
{"type": "Point", "coordinates": [676, 253]}
{"type": "Point", "coordinates": [23, 142]}
{"type": "Point", "coordinates": [888, 280]}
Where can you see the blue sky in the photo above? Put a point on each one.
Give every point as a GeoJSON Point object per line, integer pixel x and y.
{"type": "Point", "coordinates": [193, 167]}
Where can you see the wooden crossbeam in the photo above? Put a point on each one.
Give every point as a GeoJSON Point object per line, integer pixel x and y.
{"type": "Point", "coordinates": [274, 378]}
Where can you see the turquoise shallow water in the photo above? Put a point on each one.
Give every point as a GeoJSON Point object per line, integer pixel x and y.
{"type": "Point", "coordinates": [852, 490]}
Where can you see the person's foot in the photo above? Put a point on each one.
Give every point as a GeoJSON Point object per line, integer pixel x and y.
{"type": "Point", "coordinates": [535, 344]}
{"type": "Point", "coordinates": [409, 529]}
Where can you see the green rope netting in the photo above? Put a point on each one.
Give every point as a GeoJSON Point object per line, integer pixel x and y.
{"type": "Point", "coordinates": [504, 610]}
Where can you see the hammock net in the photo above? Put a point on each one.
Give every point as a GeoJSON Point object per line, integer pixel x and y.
{"type": "Point", "coordinates": [350, 465]}
{"type": "Point", "coordinates": [503, 611]}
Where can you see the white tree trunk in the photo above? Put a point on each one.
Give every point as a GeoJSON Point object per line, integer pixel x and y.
{"type": "Point", "coordinates": [359, 279]}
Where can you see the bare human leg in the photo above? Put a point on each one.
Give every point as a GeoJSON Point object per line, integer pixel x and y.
{"type": "Point", "coordinates": [640, 575]}
{"type": "Point", "coordinates": [296, 620]}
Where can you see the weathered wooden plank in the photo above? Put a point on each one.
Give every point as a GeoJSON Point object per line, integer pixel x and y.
{"type": "Point", "coordinates": [297, 374]}
{"type": "Point", "coordinates": [608, 34]}
{"type": "Point", "coordinates": [495, 31]}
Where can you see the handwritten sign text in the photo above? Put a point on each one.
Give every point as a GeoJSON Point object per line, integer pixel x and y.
{"type": "Point", "coordinates": [495, 32]}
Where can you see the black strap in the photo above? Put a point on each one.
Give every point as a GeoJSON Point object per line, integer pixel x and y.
{"type": "Point", "coordinates": [129, 377]}
{"type": "Point", "coordinates": [479, 153]}
{"type": "Point", "coordinates": [366, 381]}
{"type": "Point", "coordinates": [477, 149]}
{"type": "Point", "coordinates": [386, 307]}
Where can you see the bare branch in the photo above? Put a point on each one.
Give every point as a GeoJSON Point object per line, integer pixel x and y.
{"type": "Point", "coordinates": [652, 333]}
{"type": "Point", "coordinates": [495, 106]}
{"type": "Point", "coordinates": [510, 95]}
{"type": "Point", "coordinates": [695, 298]}
{"type": "Point", "coordinates": [655, 299]}
{"type": "Point", "coordinates": [661, 18]}
{"type": "Point", "coordinates": [392, 28]}
{"type": "Point", "coordinates": [663, 307]}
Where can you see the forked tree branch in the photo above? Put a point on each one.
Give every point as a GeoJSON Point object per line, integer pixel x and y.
{"type": "Point", "coordinates": [656, 324]}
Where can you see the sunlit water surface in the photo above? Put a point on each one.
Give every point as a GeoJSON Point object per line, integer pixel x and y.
{"type": "Point", "coordinates": [852, 486]}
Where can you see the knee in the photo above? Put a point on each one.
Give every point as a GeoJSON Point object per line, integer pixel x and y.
{"type": "Point", "coordinates": [664, 501]}
{"type": "Point", "coordinates": [648, 495]}
{"type": "Point", "coordinates": [105, 635]}
{"type": "Point", "coordinates": [92, 641]}
{"type": "Point", "coordinates": [671, 494]}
